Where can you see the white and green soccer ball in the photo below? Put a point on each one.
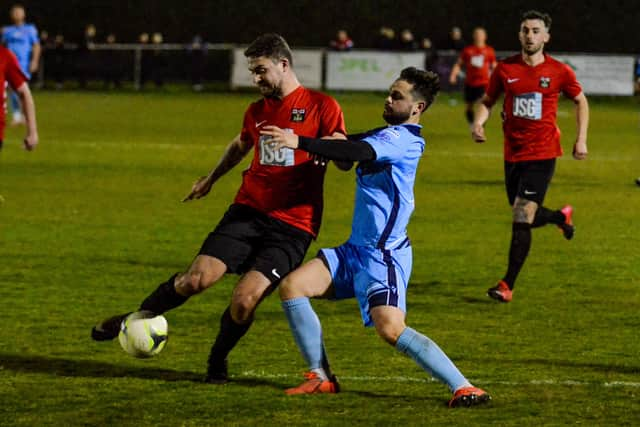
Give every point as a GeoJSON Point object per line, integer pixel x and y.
{"type": "Point", "coordinates": [143, 334]}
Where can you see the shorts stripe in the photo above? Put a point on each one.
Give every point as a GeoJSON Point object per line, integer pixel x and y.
{"type": "Point", "coordinates": [387, 296]}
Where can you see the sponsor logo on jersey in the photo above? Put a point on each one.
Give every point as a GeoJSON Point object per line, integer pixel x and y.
{"type": "Point", "coordinates": [545, 82]}
{"type": "Point", "coordinates": [528, 106]}
{"type": "Point", "coordinates": [477, 61]}
{"type": "Point", "coordinates": [275, 157]}
{"type": "Point", "coordinates": [298, 115]}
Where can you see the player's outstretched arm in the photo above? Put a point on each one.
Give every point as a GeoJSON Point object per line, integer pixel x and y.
{"type": "Point", "coordinates": [343, 150]}
{"type": "Point", "coordinates": [582, 119]}
{"type": "Point", "coordinates": [29, 111]}
{"type": "Point", "coordinates": [234, 153]}
{"type": "Point", "coordinates": [343, 165]}
{"type": "Point", "coordinates": [455, 70]}
{"type": "Point", "coordinates": [482, 113]}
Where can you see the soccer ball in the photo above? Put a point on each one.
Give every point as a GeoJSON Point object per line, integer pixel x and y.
{"type": "Point", "coordinates": [143, 334]}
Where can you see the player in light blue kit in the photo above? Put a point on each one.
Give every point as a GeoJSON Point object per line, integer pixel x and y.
{"type": "Point", "coordinates": [21, 39]}
{"type": "Point", "coordinates": [374, 265]}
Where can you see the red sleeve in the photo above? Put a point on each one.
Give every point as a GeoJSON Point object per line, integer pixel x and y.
{"type": "Point", "coordinates": [492, 56]}
{"type": "Point", "coordinates": [495, 87]}
{"type": "Point", "coordinates": [245, 134]}
{"type": "Point", "coordinates": [331, 118]}
{"type": "Point", "coordinates": [13, 73]}
{"type": "Point", "coordinates": [570, 86]}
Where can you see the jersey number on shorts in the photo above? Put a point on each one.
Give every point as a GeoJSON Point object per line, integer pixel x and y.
{"type": "Point", "coordinates": [528, 106]}
{"type": "Point", "coordinates": [272, 157]}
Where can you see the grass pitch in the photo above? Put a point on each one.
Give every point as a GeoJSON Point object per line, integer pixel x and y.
{"type": "Point", "coordinates": [91, 222]}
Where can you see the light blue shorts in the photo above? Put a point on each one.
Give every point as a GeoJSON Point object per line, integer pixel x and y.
{"type": "Point", "coordinates": [374, 276]}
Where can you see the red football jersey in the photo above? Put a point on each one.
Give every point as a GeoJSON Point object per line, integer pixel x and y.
{"type": "Point", "coordinates": [11, 73]}
{"type": "Point", "coordinates": [476, 61]}
{"type": "Point", "coordinates": [286, 184]}
{"type": "Point", "coordinates": [531, 105]}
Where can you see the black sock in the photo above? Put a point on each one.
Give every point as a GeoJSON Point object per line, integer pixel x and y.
{"type": "Point", "coordinates": [520, 245]}
{"type": "Point", "coordinates": [469, 115]}
{"type": "Point", "coordinates": [164, 298]}
{"type": "Point", "coordinates": [545, 216]}
{"type": "Point", "coordinates": [229, 335]}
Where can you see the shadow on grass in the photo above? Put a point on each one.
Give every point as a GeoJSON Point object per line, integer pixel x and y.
{"type": "Point", "coordinates": [31, 363]}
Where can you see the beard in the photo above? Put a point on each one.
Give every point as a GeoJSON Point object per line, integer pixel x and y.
{"type": "Point", "coordinates": [395, 117]}
{"type": "Point", "coordinates": [532, 49]}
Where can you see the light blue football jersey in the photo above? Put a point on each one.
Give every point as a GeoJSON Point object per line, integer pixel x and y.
{"type": "Point", "coordinates": [20, 39]}
{"type": "Point", "coordinates": [384, 190]}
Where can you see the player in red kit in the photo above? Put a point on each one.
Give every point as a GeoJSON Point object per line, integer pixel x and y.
{"type": "Point", "coordinates": [266, 231]}
{"type": "Point", "coordinates": [478, 60]}
{"type": "Point", "coordinates": [11, 74]}
{"type": "Point", "coordinates": [531, 82]}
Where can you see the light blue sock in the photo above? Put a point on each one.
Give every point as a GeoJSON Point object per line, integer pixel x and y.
{"type": "Point", "coordinates": [307, 332]}
{"type": "Point", "coordinates": [431, 358]}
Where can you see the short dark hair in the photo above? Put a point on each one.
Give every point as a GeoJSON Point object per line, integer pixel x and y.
{"type": "Point", "coordinates": [271, 45]}
{"type": "Point", "coordinates": [426, 84]}
{"type": "Point", "coordinates": [534, 14]}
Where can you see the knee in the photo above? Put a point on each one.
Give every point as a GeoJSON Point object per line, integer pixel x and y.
{"type": "Point", "coordinates": [390, 332]}
{"type": "Point", "coordinates": [193, 282]}
{"type": "Point", "coordinates": [243, 306]}
{"type": "Point", "coordinates": [287, 289]}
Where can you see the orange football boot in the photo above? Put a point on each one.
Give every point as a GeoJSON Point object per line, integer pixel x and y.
{"type": "Point", "coordinates": [314, 384]}
{"type": "Point", "coordinates": [501, 292]}
{"type": "Point", "coordinates": [469, 396]}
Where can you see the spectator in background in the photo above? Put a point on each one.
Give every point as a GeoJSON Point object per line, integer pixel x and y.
{"type": "Point", "coordinates": [85, 55]}
{"type": "Point", "coordinates": [21, 39]}
{"type": "Point", "coordinates": [431, 55]}
{"type": "Point", "coordinates": [146, 60]}
{"type": "Point", "coordinates": [386, 39]}
{"type": "Point", "coordinates": [198, 52]}
{"type": "Point", "coordinates": [455, 41]}
{"type": "Point", "coordinates": [112, 64]}
{"type": "Point", "coordinates": [158, 60]}
{"type": "Point", "coordinates": [58, 63]}
{"type": "Point", "coordinates": [407, 41]}
{"type": "Point", "coordinates": [46, 45]}
{"type": "Point", "coordinates": [342, 41]}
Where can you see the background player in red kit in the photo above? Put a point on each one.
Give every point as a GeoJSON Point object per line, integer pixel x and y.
{"type": "Point", "coordinates": [531, 82]}
{"type": "Point", "coordinates": [266, 231]}
{"type": "Point", "coordinates": [11, 73]}
{"type": "Point", "coordinates": [478, 60]}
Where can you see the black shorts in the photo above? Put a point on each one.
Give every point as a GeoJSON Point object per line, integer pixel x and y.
{"type": "Point", "coordinates": [528, 180]}
{"type": "Point", "coordinates": [246, 239]}
{"type": "Point", "coordinates": [473, 93]}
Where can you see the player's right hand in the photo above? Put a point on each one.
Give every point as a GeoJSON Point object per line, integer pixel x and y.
{"type": "Point", "coordinates": [477, 133]}
{"type": "Point", "coordinates": [30, 141]}
{"type": "Point", "coordinates": [199, 189]}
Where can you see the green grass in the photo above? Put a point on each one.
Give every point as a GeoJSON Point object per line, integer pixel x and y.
{"type": "Point", "coordinates": [91, 222]}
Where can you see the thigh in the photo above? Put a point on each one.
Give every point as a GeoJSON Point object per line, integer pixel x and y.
{"type": "Point", "coordinates": [234, 238]}
{"type": "Point", "coordinates": [535, 179]}
{"type": "Point", "coordinates": [312, 280]}
{"type": "Point", "coordinates": [281, 250]}
{"type": "Point", "coordinates": [511, 180]}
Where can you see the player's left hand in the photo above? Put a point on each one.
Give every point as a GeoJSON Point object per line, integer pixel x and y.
{"type": "Point", "coordinates": [280, 138]}
{"type": "Point", "coordinates": [33, 67]}
{"type": "Point", "coordinates": [30, 141]}
{"type": "Point", "coordinates": [580, 150]}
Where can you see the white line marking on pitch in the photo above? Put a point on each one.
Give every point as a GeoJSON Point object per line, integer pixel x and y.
{"type": "Point", "coordinates": [400, 379]}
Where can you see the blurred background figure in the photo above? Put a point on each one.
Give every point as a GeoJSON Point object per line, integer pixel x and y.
{"type": "Point", "coordinates": [197, 52]}
{"type": "Point", "coordinates": [455, 40]}
{"type": "Point", "coordinates": [85, 56]}
{"type": "Point", "coordinates": [386, 39]}
{"type": "Point", "coordinates": [342, 41]}
{"type": "Point", "coordinates": [431, 55]}
{"type": "Point", "coordinates": [46, 46]}
{"type": "Point", "coordinates": [21, 39]}
{"type": "Point", "coordinates": [112, 60]}
{"type": "Point", "coordinates": [146, 60]}
{"type": "Point", "coordinates": [407, 41]}
{"type": "Point", "coordinates": [478, 61]}
{"type": "Point", "coordinates": [58, 63]}
{"type": "Point", "coordinates": [158, 60]}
